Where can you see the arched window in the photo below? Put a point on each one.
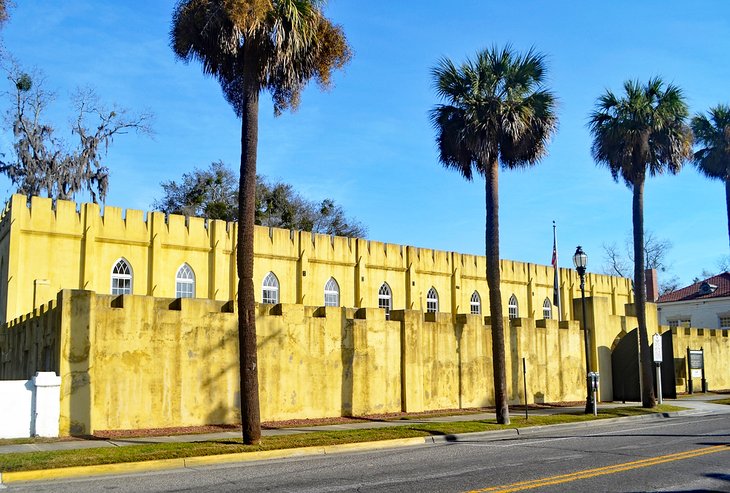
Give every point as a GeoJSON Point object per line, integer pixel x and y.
{"type": "Point", "coordinates": [547, 309]}
{"type": "Point", "coordinates": [385, 299]}
{"type": "Point", "coordinates": [122, 277]}
{"type": "Point", "coordinates": [270, 289]}
{"type": "Point", "coordinates": [432, 301]}
{"type": "Point", "coordinates": [513, 308]}
{"type": "Point", "coordinates": [475, 303]}
{"type": "Point", "coordinates": [185, 282]}
{"type": "Point", "coordinates": [331, 293]}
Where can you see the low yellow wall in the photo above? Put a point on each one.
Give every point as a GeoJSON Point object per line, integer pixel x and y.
{"type": "Point", "coordinates": [141, 362]}
{"type": "Point", "coordinates": [130, 362]}
{"type": "Point", "coordinates": [716, 345]}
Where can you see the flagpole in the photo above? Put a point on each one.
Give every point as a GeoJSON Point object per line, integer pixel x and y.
{"type": "Point", "coordinates": [556, 280]}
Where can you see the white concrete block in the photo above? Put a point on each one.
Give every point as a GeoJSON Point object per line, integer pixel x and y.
{"type": "Point", "coordinates": [47, 404]}
{"type": "Point", "coordinates": [16, 408]}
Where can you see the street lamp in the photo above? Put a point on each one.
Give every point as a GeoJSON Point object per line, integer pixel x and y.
{"type": "Point", "coordinates": [579, 260]}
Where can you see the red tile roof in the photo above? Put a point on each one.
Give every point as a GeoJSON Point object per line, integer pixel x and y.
{"type": "Point", "coordinates": [722, 281]}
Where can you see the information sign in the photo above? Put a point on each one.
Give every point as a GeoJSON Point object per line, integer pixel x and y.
{"type": "Point", "coordinates": [657, 348]}
{"type": "Point", "coordinates": [696, 358]}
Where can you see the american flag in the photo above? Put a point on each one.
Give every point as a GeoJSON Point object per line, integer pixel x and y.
{"type": "Point", "coordinates": [556, 279]}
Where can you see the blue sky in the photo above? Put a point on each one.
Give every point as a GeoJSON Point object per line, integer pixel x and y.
{"type": "Point", "coordinates": [368, 142]}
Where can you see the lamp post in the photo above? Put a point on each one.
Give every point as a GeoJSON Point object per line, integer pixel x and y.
{"type": "Point", "coordinates": [579, 260]}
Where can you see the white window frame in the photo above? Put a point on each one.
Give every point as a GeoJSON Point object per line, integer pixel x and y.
{"type": "Point", "coordinates": [432, 301]}
{"type": "Point", "coordinates": [119, 277]}
{"type": "Point", "coordinates": [475, 304]}
{"type": "Point", "coordinates": [513, 307]}
{"type": "Point", "coordinates": [680, 322]}
{"type": "Point", "coordinates": [725, 326]}
{"type": "Point", "coordinates": [331, 292]}
{"type": "Point", "coordinates": [185, 282]}
{"type": "Point", "coordinates": [547, 309]}
{"type": "Point", "coordinates": [385, 299]}
{"type": "Point", "coordinates": [270, 289]}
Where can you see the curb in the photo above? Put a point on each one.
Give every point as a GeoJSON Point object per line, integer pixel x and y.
{"type": "Point", "coordinates": [207, 460]}
{"type": "Point", "coordinates": [514, 432]}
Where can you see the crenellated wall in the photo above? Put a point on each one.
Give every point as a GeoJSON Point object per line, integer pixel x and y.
{"type": "Point", "coordinates": [131, 362]}
{"type": "Point", "coordinates": [143, 362]}
{"type": "Point", "coordinates": [45, 248]}
{"type": "Point", "coordinates": [716, 344]}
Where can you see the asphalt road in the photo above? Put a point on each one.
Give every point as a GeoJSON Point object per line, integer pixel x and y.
{"type": "Point", "coordinates": [678, 454]}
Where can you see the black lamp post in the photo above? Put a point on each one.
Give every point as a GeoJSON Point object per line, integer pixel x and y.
{"type": "Point", "coordinates": [579, 260]}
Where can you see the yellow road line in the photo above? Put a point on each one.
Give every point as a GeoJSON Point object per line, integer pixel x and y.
{"type": "Point", "coordinates": [601, 471]}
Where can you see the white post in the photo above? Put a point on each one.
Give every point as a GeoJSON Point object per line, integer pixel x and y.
{"type": "Point", "coordinates": [47, 404]}
{"type": "Point", "coordinates": [659, 382]}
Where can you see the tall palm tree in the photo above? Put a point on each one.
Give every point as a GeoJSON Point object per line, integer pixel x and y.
{"type": "Point", "coordinates": [713, 158]}
{"type": "Point", "coordinates": [497, 113]}
{"type": "Point", "coordinates": [250, 46]}
{"type": "Point", "coordinates": [643, 132]}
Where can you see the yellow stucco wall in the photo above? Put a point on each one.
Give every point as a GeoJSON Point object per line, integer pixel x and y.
{"type": "Point", "coordinates": [716, 345]}
{"type": "Point", "coordinates": [46, 248]}
{"type": "Point", "coordinates": [143, 362]}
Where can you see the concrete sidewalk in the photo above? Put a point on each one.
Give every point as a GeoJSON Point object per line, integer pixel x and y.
{"type": "Point", "coordinates": [698, 403]}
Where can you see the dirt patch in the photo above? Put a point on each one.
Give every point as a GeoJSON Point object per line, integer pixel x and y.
{"type": "Point", "coordinates": [158, 432]}
{"type": "Point", "coordinates": [296, 423]}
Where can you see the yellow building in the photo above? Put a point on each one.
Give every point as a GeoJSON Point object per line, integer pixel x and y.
{"type": "Point", "coordinates": [134, 311]}
{"type": "Point", "coordinates": [44, 249]}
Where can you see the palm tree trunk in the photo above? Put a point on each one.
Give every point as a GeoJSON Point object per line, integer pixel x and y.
{"type": "Point", "coordinates": [495, 295]}
{"type": "Point", "coordinates": [250, 414]}
{"type": "Point", "coordinates": [647, 388]}
{"type": "Point", "coordinates": [727, 200]}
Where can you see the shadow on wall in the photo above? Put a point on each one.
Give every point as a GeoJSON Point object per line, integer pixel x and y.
{"type": "Point", "coordinates": [347, 357]}
{"type": "Point", "coordinates": [515, 362]}
{"type": "Point", "coordinates": [605, 382]}
{"type": "Point", "coordinates": [458, 331]}
{"type": "Point", "coordinates": [625, 368]}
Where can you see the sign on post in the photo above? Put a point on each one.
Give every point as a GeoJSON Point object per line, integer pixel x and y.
{"type": "Point", "coordinates": [657, 348]}
{"type": "Point", "coordinates": [696, 367]}
{"type": "Point", "coordinates": [657, 339]}
{"type": "Point", "coordinates": [696, 359]}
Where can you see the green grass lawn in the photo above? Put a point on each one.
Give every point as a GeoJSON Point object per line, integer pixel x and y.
{"type": "Point", "coordinates": [722, 401]}
{"type": "Point", "coordinates": [29, 461]}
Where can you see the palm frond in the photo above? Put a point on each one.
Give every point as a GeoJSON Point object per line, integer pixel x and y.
{"type": "Point", "coordinates": [712, 134]}
{"type": "Point", "coordinates": [504, 113]}
{"type": "Point", "coordinates": [281, 43]}
{"type": "Point", "coordinates": [643, 131]}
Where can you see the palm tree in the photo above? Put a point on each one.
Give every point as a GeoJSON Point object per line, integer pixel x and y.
{"type": "Point", "coordinates": [496, 113]}
{"type": "Point", "coordinates": [643, 132]}
{"type": "Point", "coordinates": [250, 46]}
{"type": "Point", "coordinates": [713, 159]}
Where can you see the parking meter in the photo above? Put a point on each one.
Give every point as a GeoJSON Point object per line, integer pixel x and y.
{"type": "Point", "coordinates": [593, 378]}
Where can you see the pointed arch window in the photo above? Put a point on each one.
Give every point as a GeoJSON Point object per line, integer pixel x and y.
{"type": "Point", "coordinates": [331, 293]}
{"type": "Point", "coordinates": [475, 303]}
{"type": "Point", "coordinates": [547, 309]}
{"type": "Point", "coordinates": [385, 299]}
{"type": "Point", "coordinates": [185, 282]}
{"type": "Point", "coordinates": [513, 308]}
{"type": "Point", "coordinates": [270, 289]}
{"type": "Point", "coordinates": [122, 277]}
{"type": "Point", "coordinates": [432, 301]}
